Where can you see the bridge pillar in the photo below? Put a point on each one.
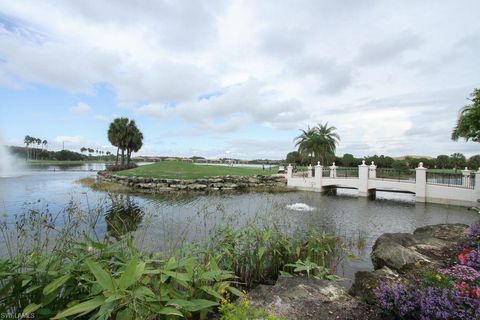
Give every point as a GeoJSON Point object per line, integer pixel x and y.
{"type": "Point", "coordinates": [420, 183]}
{"type": "Point", "coordinates": [477, 182]}
{"type": "Point", "coordinates": [289, 171]}
{"type": "Point", "coordinates": [333, 171]}
{"type": "Point", "coordinates": [372, 171]}
{"type": "Point", "coordinates": [318, 176]}
{"type": "Point", "coordinates": [466, 177]}
{"type": "Point", "coordinates": [310, 171]}
{"type": "Point", "coordinates": [363, 180]}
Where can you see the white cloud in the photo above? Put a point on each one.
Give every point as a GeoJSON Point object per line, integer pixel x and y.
{"type": "Point", "coordinates": [81, 109]}
{"type": "Point", "coordinates": [268, 64]}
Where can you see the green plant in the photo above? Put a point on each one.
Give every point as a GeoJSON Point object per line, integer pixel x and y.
{"type": "Point", "coordinates": [310, 269]}
{"type": "Point", "coordinates": [243, 310]}
{"type": "Point", "coordinates": [105, 280]}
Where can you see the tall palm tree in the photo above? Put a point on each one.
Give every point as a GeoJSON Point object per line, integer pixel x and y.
{"type": "Point", "coordinates": [468, 123]}
{"type": "Point", "coordinates": [319, 143]}
{"type": "Point", "coordinates": [45, 142]}
{"type": "Point", "coordinates": [117, 132]}
{"type": "Point", "coordinates": [27, 141]}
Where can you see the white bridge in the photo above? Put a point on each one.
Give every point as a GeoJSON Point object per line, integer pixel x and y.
{"type": "Point", "coordinates": [446, 188]}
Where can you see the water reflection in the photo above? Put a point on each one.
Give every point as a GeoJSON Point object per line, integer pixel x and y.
{"type": "Point", "coordinates": [124, 215]}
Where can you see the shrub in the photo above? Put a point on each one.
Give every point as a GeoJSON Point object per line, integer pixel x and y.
{"type": "Point", "coordinates": [243, 310]}
{"type": "Point", "coordinates": [120, 167]}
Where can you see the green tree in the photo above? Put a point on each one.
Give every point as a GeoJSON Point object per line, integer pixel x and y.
{"type": "Point", "coordinates": [443, 161]}
{"type": "Point", "coordinates": [458, 160]}
{"type": "Point", "coordinates": [468, 123]}
{"type": "Point", "coordinates": [318, 143]}
{"type": "Point", "coordinates": [474, 162]}
{"type": "Point", "coordinates": [124, 134]}
{"type": "Point", "coordinates": [348, 160]}
{"type": "Point", "coordinates": [294, 157]}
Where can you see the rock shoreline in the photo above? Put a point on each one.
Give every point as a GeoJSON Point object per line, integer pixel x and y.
{"type": "Point", "coordinates": [397, 258]}
{"type": "Point", "coordinates": [218, 183]}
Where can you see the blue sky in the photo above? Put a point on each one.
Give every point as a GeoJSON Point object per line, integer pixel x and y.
{"type": "Point", "coordinates": [239, 78]}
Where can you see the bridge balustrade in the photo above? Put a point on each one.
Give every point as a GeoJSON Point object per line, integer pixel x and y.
{"type": "Point", "coordinates": [458, 180]}
{"type": "Point", "coordinates": [395, 175]}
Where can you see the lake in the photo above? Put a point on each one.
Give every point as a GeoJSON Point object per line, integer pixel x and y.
{"type": "Point", "coordinates": [163, 222]}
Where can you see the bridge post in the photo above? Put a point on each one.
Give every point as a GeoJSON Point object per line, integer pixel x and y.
{"type": "Point", "coordinates": [363, 180]}
{"type": "Point", "coordinates": [333, 171]}
{"type": "Point", "coordinates": [310, 171]}
{"type": "Point", "coordinates": [318, 176]}
{"type": "Point", "coordinates": [477, 182]}
{"type": "Point", "coordinates": [289, 171]}
{"type": "Point", "coordinates": [420, 183]}
{"type": "Point", "coordinates": [372, 172]}
{"type": "Point", "coordinates": [466, 177]}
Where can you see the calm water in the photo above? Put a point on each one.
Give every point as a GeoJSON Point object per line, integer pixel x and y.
{"type": "Point", "coordinates": [162, 222]}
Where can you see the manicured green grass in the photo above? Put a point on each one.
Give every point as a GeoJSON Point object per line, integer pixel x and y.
{"type": "Point", "coordinates": [186, 170]}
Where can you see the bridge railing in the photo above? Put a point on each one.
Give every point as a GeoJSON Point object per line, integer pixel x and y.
{"type": "Point", "coordinates": [347, 172]}
{"type": "Point", "coordinates": [326, 172]}
{"type": "Point", "coordinates": [300, 172]}
{"type": "Point", "coordinates": [395, 175]}
{"type": "Point", "coordinates": [451, 179]}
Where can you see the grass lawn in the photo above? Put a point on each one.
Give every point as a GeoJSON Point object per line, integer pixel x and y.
{"type": "Point", "coordinates": [60, 162]}
{"type": "Point", "coordinates": [186, 170]}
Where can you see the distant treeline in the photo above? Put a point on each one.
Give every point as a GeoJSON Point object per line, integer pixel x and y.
{"type": "Point", "coordinates": [454, 161]}
{"type": "Point", "coordinates": [64, 155]}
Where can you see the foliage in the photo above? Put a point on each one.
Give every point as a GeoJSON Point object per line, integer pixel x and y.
{"type": "Point", "coordinates": [310, 269]}
{"type": "Point", "coordinates": [295, 157]}
{"type": "Point", "coordinates": [468, 123]}
{"type": "Point", "coordinates": [120, 167]}
{"type": "Point", "coordinates": [259, 254]}
{"type": "Point", "coordinates": [113, 279]}
{"type": "Point", "coordinates": [124, 134]}
{"type": "Point", "coordinates": [243, 310]}
{"type": "Point", "coordinates": [448, 293]}
{"type": "Point", "coordinates": [319, 143]}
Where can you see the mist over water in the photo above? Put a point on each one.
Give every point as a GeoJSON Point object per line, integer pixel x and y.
{"type": "Point", "coordinates": [9, 165]}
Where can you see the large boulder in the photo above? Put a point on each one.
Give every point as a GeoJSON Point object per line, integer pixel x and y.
{"type": "Point", "coordinates": [303, 298]}
{"type": "Point", "coordinates": [400, 257]}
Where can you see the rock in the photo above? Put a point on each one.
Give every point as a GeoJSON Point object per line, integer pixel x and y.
{"type": "Point", "coordinates": [366, 281]}
{"type": "Point", "coordinates": [303, 298]}
{"type": "Point", "coordinates": [392, 250]}
{"type": "Point", "coordinates": [402, 257]}
{"type": "Point", "coordinates": [197, 186]}
{"type": "Point", "coordinates": [450, 232]}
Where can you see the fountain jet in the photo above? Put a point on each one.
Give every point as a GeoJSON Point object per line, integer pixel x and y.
{"type": "Point", "coordinates": [8, 164]}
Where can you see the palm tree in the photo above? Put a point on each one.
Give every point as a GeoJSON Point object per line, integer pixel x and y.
{"type": "Point", "coordinates": [27, 142]}
{"type": "Point", "coordinates": [468, 123]}
{"type": "Point", "coordinates": [134, 140]}
{"type": "Point", "coordinates": [117, 134]}
{"type": "Point", "coordinates": [124, 134]}
{"type": "Point", "coordinates": [45, 142]}
{"type": "Point", "coordinates": [319, 142]}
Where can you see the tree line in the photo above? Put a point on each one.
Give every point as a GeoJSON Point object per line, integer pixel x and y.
{"type": "Point", "coordinates": [37, 144]}
{"type": "Point", "coordinates": [94, 151]}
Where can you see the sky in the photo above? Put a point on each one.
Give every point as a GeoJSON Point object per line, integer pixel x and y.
{"type": "Point", "coordinates": [239, 78]}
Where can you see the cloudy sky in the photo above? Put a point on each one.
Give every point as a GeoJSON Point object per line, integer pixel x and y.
{"type": "Point", "coordinates": [239, 78]}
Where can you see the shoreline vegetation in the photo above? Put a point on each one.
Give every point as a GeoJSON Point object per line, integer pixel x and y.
{"type": "Point", "coordinates": [79, 273]}
{"type": "Point", "coordinates": [187, 170]}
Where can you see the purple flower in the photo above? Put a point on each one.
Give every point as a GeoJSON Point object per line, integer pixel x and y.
{"type": "Point", "coordinates": [474, 232]}
{"type": "Point", "coordinates": [427, 303]}
{"type": "Point", "coordinates": [461, 272]}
